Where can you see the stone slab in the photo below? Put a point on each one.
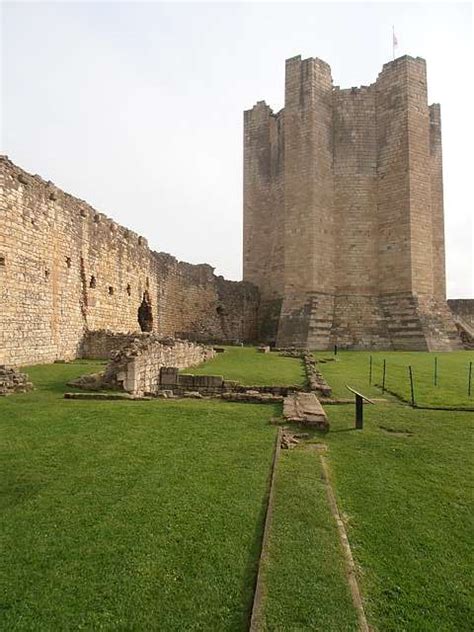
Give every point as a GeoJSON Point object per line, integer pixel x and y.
{"type": "Point", "coordinates": [305, 408]}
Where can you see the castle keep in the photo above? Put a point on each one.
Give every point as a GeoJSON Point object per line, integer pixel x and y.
{"type": "Point", "coordinates": [343, 212]}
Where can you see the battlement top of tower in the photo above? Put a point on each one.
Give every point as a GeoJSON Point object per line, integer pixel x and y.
{"type": "Point", "coordinates": [317, 60]}
{"type": "Point", "coordinates": [354, 90]}
{"type": "Point", "coordinates": [323, 71]}
{"type": "Point", "coordinates": [399, 61]}
{"type": "Point", "coordinates": [260, 106]}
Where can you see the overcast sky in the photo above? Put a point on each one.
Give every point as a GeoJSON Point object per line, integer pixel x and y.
{"type": "Point", "coordinates": [137, 107]}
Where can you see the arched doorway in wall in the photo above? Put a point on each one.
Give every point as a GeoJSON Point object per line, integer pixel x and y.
{"type": "Point", "coordinates": [145, 313]}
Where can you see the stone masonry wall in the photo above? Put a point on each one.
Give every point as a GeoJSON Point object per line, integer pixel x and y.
{"type": "Point", "coordinates": [463, 309]}
{"type": "Point", "coordinates": [360, 200]}
{"type": "Point", "coordinates": [136, 367]}
{"type": "Point", "coordinates": [99, 344]}
{"type": "Point", "coordinates": [66, 269]}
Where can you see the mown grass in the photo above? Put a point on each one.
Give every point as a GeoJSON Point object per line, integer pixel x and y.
{"type": "Point", "coordinates": [304, 574]}
{"type": "Point", "coordinates": [249, 367]}
{"type": "Point", "coordinates": [128, 515]}
{"type": "Point", "coordinates": [407, 499]}
{"type": "Point", "coordinates": [352, 367]}
{"type": "Point", "coordinates": [148, 515]}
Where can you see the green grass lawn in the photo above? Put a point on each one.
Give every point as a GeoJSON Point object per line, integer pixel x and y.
{"type": "Point", "coordinates": [249, 367]}
{"type": "Point", "coordinates": [404, 486]}
{"type": "Point", "coordinates": [148, 515]}
{"type": "Point", "coordinates": [128, 515]}
{"type": "Point", "coordinates": [408, 507]}
{"type": "Point", "coordinates": [304, 573]}
{"type": "Point", "coordinates": [352, 367]}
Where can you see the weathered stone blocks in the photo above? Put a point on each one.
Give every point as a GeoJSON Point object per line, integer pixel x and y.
{"type": "Point", "coordinates": [305, 408]}
{"type": "Point", "coordinates": [67, 270]}
{"type": "Point", "coordinates": [12, 381]}
{"type": "Point", "coordinates": [343, 212]}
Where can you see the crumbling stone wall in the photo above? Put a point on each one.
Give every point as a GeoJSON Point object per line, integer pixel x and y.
{"type": "Point", "coordinates": [463, 308]}
{"type": "Point", "coordinates": [136, 367]}
{"type": "Point", "coordinates": [98, 345]}
{"type": "Point", "coordinates": [11, 381]}
{"type": "Point", "coordinates": [66, 269]}
{"type": "Point", "coordinates": [343, 212]}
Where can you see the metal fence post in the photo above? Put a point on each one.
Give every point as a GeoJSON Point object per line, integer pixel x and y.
{"type": "Point", "coordinates": [412, 387]}
{"type": "Point", "coordinates": [359, 412]}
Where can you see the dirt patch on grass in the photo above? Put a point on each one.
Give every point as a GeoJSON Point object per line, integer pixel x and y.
{"type": "Point", "coordinates": [316, 447]}
{"type": "Point", "coordinates": [396, 433]}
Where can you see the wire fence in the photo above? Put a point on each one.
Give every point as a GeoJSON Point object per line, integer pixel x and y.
{"type": "Point", "coordinates": [431, 382]}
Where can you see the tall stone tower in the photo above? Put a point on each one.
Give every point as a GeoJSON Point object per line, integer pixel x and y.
{"type": "Point", "coordinates": [343, 212]}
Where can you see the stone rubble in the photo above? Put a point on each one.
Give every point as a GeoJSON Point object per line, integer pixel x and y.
{"type": "Point", "coordinates": [315, 379]}
{"type": "Point", "coordinates": [290, 440]}
{"type": "Point", "coordinates": [12, 381]}
{"type": "Point", "coordinates": [135, 368]}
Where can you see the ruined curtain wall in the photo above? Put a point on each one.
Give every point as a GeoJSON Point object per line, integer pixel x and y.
{"type": "Point", "coordinates": [66, 269]}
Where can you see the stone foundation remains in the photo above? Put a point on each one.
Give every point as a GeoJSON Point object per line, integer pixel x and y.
{"type": "Point", "coordinates": [135, 368]}
{"type": "Point", "coordinates": [305, 408]}
{"type": "Point", "coordinates": [11, 381]}
{"type": "Point", "coordinates": [146, 365]}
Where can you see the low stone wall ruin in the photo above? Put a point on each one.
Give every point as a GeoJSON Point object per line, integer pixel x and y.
{"type": "Point", "coordinates": [175, 384]}
{"type": "Point", "coordinates": [99, 344]}
{"type": "Point", "coordinates": [315, 379]}
{"type": "Point", "coordinates": [12, 381]}
{"type": "Point", "coordinates": [462, 310]}
{"type": "Point", "coordinates": [150, 366]}
{"type": "Point", "coordinates": [136, 367]}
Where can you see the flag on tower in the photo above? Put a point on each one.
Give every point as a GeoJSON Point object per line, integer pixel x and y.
{"type": "Point", "coordinates": [394, 41]}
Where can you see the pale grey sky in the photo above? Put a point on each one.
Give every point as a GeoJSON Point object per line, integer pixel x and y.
{"type": "Point", "coordinates": [137, 107]}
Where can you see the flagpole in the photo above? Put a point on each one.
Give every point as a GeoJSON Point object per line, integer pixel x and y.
{"type": "Point", "coordinates": [393, 41]}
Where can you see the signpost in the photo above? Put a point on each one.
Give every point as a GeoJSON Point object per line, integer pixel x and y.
{"type": "Point", "coordinates": [359, 407]}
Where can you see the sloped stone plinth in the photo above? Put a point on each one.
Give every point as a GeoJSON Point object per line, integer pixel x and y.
{"type": "Point", "coordinates": [305, 408]}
